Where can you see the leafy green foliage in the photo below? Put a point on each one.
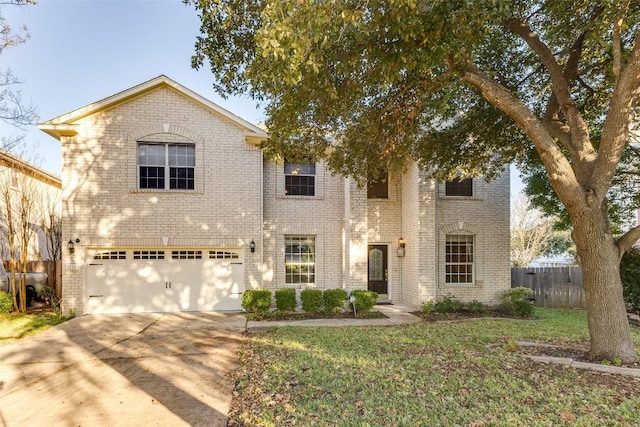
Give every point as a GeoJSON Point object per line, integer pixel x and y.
{"type": "Point", "coordinates": [427, 307]}
{"type": "Point", "coordinates": [311, 300]}
{"type": "Point", "coordinates": [449, 304]}
{"type": "Point", "coordinates": [334, 300]}
{"type": "Point", "coordinates": [476, 306]}
{"type": "Point", "coordinates": [364, 300]}
{"type": "Point", "coordinates": [623, 197]}
{"type": "Point", "coordinates": [6, 303]}
{"type": "Point", "coordinates": [50, 298]}
{"type": "Point", "coordinates": [516, 301]}
{"type": "Point", "coordinates": [285, 299]}
{"type": "Point", "coordinates": [630, 275]}
{"type": "Point", "coordinates": [256, 300]}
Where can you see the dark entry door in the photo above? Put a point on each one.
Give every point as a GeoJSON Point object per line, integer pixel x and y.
{"type": "Point", "coordinates": [378, 269]}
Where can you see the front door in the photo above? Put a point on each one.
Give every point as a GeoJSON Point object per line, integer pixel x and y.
{"type": "Point", "coordinates": [378, 270]}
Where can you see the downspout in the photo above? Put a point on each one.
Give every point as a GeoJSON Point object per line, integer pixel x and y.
{"type": "Point", "coordinates": [261, 219]}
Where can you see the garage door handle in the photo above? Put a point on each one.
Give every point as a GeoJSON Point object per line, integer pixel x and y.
{"type": "Point", "coordinates": [167, 285]}
{"type": "Point", "coordinates": [95, 264]}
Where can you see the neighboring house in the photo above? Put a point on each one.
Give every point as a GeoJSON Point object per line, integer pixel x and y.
{"type": "Point", "coordinates": [170, 206]}
{"type": "Point", "coordinates": [44, 191]}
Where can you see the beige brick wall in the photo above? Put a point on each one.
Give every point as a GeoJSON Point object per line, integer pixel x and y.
{"type": "Point", "coordinates": [320, 216]}
{"type": "Point", "coordinates": [418, 213]}
{"type": "Point", "coordinates": [384, 221]}
{"type": "Point", "coordinates": [486, 217]}
{"type": "Point", "coordinates": [103, 207]}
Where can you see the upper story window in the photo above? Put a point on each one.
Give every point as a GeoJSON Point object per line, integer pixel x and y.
{"type": "Point", "coordinates": [459, 187]}
{"type": "Point", "coordinates": [299, 179]}
{"type": "Point", "coordinates": [166, 166]}
{"type": "Point", "coordinates": [378, 188]}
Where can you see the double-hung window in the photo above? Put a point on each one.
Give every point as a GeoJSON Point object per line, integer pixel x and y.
{"type": "Point", "coordinates": [166, 166]}
{"type": "Point", "coordinates": [299, 179]}
{"type": "Point", "coordinates": [459, 187]}
{"type": "Point", "coordinates": [300, 260]}
{"type": "Point", "coordinates": [459, 259]}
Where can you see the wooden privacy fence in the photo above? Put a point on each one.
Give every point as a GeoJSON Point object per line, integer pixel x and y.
{"type": "Point", "coordinates": [557, 287]}
{"type": "Point", "coordinates": [52, 268]}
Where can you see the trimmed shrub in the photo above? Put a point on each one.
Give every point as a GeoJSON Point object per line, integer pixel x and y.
{"type": "Point", "coordinates": [6, 303]}
{"type": "Point", "coordinates": [515, 301]}
{"type": "Point", "coordinates": [286, 299]}
{"type": "Point", "coordinates": [523, 308]}
{"type": "Point", "coordinates": [476, 306]}
{"type": "Point", "coordinates": [256, 301]}
{"type": "Point", "coordinates": [630, 275]}
{"type": "Point", "coordinates": [427, 307]}
{"type": "Point", "coordinates": [449, 304]}
{"type": "Point", "coordinates": [311, 300]}
{"type": "Point", "coordinates": [364, 300]}
{"type": "Point", "coordinates": [334, 300]}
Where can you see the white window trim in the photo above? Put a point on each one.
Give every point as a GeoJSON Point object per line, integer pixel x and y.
{"type": "Point", "coordinates": [167, 167]}
{"type": "Point", "coordinates": [319, 184]}
{"type": "Point", "coordinates": [315, 257]}
{"type": "Point", "coordinates": [168, 133]}
{"type": "Point", "coordinates": [473, 263]}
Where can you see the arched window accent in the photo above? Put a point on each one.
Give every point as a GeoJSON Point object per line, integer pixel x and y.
{"type": "Point", "coordinates": [166, 166]}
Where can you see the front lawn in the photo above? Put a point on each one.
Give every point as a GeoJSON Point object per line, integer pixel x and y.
{"type": "Point", "coordinates": [16, 326]}
{"type": "Point", "coordinates": [426, 374]}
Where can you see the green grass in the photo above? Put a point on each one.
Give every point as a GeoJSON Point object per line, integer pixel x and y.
{"type": "Point", "coordinates": [426, 374]}
{"type": "Point", "coordinates": [16, 326]}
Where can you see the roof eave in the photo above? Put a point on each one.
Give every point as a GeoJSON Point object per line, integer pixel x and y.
{"type": "Point", "coordinates": [58, 130]}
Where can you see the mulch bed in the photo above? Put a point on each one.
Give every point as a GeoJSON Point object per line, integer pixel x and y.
{"type": "Point", "coordinates": [303, 315]}
{"type": "Point", "coordinates": [463, 315]}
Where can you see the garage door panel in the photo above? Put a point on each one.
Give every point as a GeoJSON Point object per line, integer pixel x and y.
{"type": "Point", "coordinates": [165, 285]}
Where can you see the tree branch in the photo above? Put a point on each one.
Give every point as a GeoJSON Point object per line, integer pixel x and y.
{"type": "Point", "coordinates": [558, 167]}
{"type": "Point", "coordinates": [616, 39]}
{"type": "Point", "coordinates": [627, 240]}
{"type": "Point", "coordinates": [580, 145]}
{"type": "Point", "coordinates": [615, 130]}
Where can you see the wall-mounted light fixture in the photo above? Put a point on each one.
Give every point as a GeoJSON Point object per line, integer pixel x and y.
{"type": "Point", "coordinates": [252, 246]}
{"type": "Point", "coordinates": [401, 246]}
{"type": "Point", "coordinates": [70, 245]}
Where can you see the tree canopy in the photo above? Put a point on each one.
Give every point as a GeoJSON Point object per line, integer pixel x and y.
{"type": "Point", "coordinates": [459, 86]}
{"type": "Point", "coordinates": [375, 83]}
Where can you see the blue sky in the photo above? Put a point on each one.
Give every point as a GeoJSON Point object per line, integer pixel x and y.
{"type": "Point", "coordinates": [82, 51]}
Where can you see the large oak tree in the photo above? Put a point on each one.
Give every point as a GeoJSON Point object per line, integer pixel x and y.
{"type": "Point", "coordinates": [458, 86]}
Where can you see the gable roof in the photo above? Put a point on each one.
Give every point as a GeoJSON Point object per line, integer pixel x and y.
{"type": "Point", "coordinates": [65, 125]}
{"type": "Point", "coordinates": [12, 162]}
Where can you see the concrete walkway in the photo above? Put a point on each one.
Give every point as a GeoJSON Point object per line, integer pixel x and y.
{"type": "Point", "coordinates": [123, 370]}
{"type": "Point", "coordinates": [396, 314]}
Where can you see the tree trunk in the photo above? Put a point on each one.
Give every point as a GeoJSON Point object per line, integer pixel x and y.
{"type": "Point", "coordinates": [609, 329]}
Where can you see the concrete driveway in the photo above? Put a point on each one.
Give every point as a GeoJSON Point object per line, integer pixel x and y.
{"type": "Point", "coordinates": [123, 370]}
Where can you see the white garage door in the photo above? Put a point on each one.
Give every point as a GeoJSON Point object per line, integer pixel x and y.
{"type": "Point", "coordinates": [163, 280]}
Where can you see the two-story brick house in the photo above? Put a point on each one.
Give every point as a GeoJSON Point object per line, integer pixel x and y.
{"type": "Point", "coordinates": [169, 205]}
